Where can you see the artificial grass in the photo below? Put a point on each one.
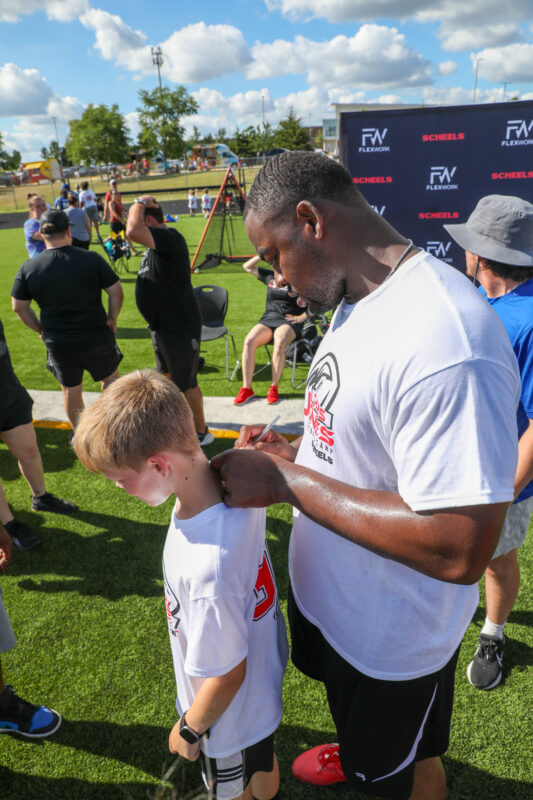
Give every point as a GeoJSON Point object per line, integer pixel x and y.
{"type": "Point", "coordinates": [246, 304]}
{"type": "Point", "coordinates": [89, 615]}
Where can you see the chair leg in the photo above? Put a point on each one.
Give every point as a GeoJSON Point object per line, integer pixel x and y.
{"type": "Point", "coordinates": [265, 366]}
{"type": "Point", "coordinates": [237, 362]}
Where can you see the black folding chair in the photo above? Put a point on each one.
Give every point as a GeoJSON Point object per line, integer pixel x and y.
{"type": "Point", "coordinates": [213, 303]}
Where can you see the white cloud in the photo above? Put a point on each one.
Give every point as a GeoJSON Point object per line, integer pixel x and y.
{"type": "Point", "coordinates": [116, 41]}
{"type": "Point", "coordinates": [458, 96]}
{"type": "Point", "coordinates": [23, 91]}
{"type": "Point", "coordinates": [482, 36]}
{"type": "Point", "coordinates": [65, 108]}
{"type": "Point", "coordinates": [458, 20]}
{"type": "Point", "coordinates": [200, 52]}
{"type": "Point", "coordinates": [375, 57]}
{"type": "Point", "coordinates": [187, 53]}
{"type": "Point", "coordinates": [447, 67]}
{"type": "Point", "coordinates": [132, 121]}
{"type": "Point", "coordinates": [513, 63]}
{"type": "Point", "coordinates": [60, 10]}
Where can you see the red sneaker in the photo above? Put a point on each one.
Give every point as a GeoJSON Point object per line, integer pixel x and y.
{"type": "Point", "coordinates": [272, 395]}
{"type": "Point", "coordinates": [319, 766]}
{"type": "Point", "coordinates": [243, 396]}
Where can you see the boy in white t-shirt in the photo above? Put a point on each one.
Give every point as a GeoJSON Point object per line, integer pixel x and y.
{"type": "Point", "coordinates": [226, 628]}
{"type": "Point", "coordinates": [206, 203]}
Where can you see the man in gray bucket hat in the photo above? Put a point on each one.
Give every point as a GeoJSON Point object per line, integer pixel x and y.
{"type": "Point", "coordinates": [498, 244]}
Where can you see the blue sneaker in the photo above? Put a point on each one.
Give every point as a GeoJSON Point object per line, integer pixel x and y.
{"type": "Point", "coordinates": [18, 716]}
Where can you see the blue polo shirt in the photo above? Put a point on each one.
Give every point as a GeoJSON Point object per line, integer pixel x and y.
{"type": "Point", "coordinates": [515, 310]}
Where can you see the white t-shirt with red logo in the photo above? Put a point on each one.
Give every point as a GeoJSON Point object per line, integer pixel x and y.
{"type": "Point", "coordinates": [222, 607]}
{"type": "Point", "coordinates": [87, 198]}
{"type": "Point", "coordinates": [413, 390]}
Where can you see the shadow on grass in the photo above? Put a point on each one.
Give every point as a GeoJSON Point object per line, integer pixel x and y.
{"type": "Point", "coordinates": [105, 564]}
{"type": "Point", "coordinates": [133, 333]}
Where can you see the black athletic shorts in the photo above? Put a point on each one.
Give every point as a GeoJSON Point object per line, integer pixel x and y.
{"type": "Point", "coordinates": [383, 727]}
{"type": "Point", "coordinates": [17, 412]}
{"type": "Point", "coordinates": [227, 778]}
{"type": "Point", "coordinates": [178, 356]}
{"type": "Point", "coordinates": [116, 226]}
{"type": "Point", "coordinates": [100, 358]}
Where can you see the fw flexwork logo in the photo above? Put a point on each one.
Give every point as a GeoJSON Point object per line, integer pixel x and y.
{"type": "Point", "coordinates": [379, 209]}
{"type": "Point", "coordinates": [439, 250]}
{"type": "Point", "coordinates": [372, 141]}
{"type": "Point", "coordinates": [518, 132]}
{"type": "Point", "coordinates": [321, 390]}
{"type": "Point", "coordinates": [440, 178]}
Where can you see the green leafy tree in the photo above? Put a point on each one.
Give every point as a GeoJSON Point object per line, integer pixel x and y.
{"type": "Point", "coordinates": [291, 133]}
{"type": "Point", "coordinates": [221, 136]}
{"type": "Point", "coordinates": [160, 114]}
{"type": "Point", "coordinates": [100, 136]}
{"type": "Point", "coordinates": [266, 137]}
{"type": "Point", "coordinates": [8, 162]}
{"type": "Point", "coordinates": [57, 152]}
{"type": "Point", "coordinates": [244, 143]}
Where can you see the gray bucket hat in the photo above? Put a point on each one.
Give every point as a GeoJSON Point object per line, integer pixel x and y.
{"type": "Point", "coordinates": [500, 228]}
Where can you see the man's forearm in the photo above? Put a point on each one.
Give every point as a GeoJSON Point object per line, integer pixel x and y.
{"type": "Point", "coordinates": [29, 318]}
{"type": "Point", "coordinates": [114, 306]}
{"type": "Point", "coordinates": [524, 470]}
{"type": "Point", "coordinates": [452, 545]}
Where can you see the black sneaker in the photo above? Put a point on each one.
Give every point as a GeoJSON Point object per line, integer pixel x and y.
{"type": "Point", "coordinates": [485, 669]}
{"type": "Point", "coordinates": [205, 438]}
{"type": "Point", "coordinates": [49, 502]}
{"type": "Point", "coordinates": [18, 716]}
{"type": "Point", "coordinates": [23, 537]}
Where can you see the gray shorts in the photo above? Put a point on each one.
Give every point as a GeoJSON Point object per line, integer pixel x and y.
{"type": "Point", "coordinates": [515, 527]}
{"type": "Point", "coordinates": [7, 637]}
{"type": "Point", "coordinates": [92, 213]}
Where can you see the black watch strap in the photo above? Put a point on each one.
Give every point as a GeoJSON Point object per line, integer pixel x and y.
{"type": "Point", "coordinates": [187, 733]}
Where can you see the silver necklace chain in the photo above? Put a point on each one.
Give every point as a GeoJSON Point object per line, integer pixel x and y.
{"type": "Point", "coordinates": [407, 250]}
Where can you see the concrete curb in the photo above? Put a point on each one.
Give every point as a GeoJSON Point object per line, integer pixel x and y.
{"type": "Point", "coordinates": [223, 418]}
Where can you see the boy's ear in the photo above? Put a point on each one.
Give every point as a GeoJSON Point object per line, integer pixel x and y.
{"type": "Point", "coordinates": [160, 462]}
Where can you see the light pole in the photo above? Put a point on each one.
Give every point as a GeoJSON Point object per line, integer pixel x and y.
{"type": "Point", "coordinates": [475, 79]}
{"type": "Point", "coordinates": [157, 61]}
{"type": "Point", "coordinates": [504, 84]}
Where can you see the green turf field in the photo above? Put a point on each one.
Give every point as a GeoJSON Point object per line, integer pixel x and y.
{"type": "Point", "coordinates": [90, 619]}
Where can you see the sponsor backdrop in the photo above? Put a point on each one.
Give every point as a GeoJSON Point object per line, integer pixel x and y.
{"type": "Point", "coordinates": [422, 168]}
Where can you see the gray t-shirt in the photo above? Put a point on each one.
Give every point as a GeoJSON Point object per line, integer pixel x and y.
{"type": "Point", "coordinates": [78, 223]}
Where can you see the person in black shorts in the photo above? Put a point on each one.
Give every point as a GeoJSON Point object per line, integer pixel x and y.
{"type": "Point", "coordinates": [66, 283]}
{"type": "Point", "coordinates": [281, 324]}
{"type": "Point", "coordinates": [165, 299]}
{"type": "Point", "coordinates": [16, 431]}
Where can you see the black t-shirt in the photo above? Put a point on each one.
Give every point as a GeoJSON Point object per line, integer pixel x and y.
{"type": "Point", "coordinates": [163, 290]}
{"type": "Point", "coordinates": [9, 382]}
{"type": "Point", "coordinates": [278, 299]}
{"type": "Point", "coordinates": [66, 282]}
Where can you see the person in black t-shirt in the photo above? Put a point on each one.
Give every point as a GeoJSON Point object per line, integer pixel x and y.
{"type": "Point", "coordinates": [281, 323]}
{"type": "Point", "coordinates": [17, 432]}
{"type": "Point", "coordinates": [165, 298]}
{"type": "Point", "coordinates": [66, 283]}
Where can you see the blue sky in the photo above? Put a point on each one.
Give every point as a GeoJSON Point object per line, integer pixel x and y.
{"type": "Point", "coordinates": [57, 56]}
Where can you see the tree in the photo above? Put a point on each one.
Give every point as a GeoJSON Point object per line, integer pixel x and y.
{"type": "Point", "coordinates": [8, 162]}
{"type": "Point", "coordinates": [244, 143]}
{"type": "Point", "coordinates": [100, 136]}
{"type": "Point", "coordinates": [291, 133]}
{"type": "Point", "coordinates": [266, 136]}
{"type": "Point", "coordinates": [160, 115]}
{"type": "Point", "coordinates": [57, 152]}
{"type": "Point", "coordinates": [222, 136]}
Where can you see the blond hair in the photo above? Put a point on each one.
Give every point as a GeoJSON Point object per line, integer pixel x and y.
{"type": "Point", "coordinates": [138, 415]}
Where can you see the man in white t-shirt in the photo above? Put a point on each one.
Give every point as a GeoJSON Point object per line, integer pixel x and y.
{"type": "Point", "coordinates": [89, 203]}
{"type": "Point", "coordinates": [399, 484]}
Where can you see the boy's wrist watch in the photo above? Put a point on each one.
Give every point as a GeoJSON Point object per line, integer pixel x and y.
{"type": "Point", "coordinates": [187, 733]}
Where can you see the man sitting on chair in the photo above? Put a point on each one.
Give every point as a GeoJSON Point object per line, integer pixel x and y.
{"type": "Point", "coordinates": [281, 323]}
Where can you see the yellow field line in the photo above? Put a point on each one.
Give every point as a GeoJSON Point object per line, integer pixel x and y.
{"type": "Point", "coordinates": [218, 433]}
